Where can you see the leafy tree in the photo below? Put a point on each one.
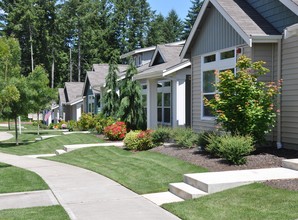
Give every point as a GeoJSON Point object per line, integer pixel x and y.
{"type": "Point", "coordinates": [243, 104]}
{"type": "Point", "coordinates": [131, 106]}
{"type": "Point", "coordinates": [41, 93]}
{"type": "Point", "coordinates": [110, 96]}
{"type": "Point", "coordinates": [173, 27]}
{"type": "Point", "coordinates": [191, 17]}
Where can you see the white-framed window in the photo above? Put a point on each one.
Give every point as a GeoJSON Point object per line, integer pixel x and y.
{"type": "Point", "coordinates": [98, 102]}
{"type": "Point", "coordinates": [144, 96]}
{"type": "Point", "coordinates": [91, 103]}
{"type": "Point", "coordinates": [210, 63]}
{"type": "Point", "coordinates": [164, 96]}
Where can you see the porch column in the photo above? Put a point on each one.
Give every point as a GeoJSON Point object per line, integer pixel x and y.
{"type": "Point", "coordinates": [180, 102]}
{"type": "Point", "coordinates": [174, 103]}
{"type": "Point", "coordinates": [151, 104]}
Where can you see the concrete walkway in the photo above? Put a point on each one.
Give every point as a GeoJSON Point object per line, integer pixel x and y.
{"type": "Point", "coordinates": [87, 195]}
{"type": "Point", "coordinates": [5, 136]}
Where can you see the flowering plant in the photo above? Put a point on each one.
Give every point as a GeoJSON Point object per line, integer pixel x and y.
{"type": "Point", "coordinates": [139, 140]}
{"type": "Point", "coordinates": [116, 131]}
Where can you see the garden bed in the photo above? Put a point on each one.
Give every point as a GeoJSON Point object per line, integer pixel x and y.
{"type": "Point", "coordinates": [264, 157]}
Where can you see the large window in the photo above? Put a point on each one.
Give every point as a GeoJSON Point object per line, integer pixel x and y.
{"type": "Point", "coordinates": [98, 98]}
{"type": "Point", "coordinates": [164, 102]}
{"type": "Point", "coordinates": [91, 103]}
{"type": "Point", "coordinates": [210, 63]}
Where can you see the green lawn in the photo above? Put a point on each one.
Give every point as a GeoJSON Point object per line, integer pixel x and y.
{"type": "Point", "coordinates": [142, 172]}
{"type": "Point", "coordinates": [13, 179]}
{"type": "Point", "coordinates": [254, 202]}
{"type": "Point", "coordinates": [47, 146]}
{"type": "Point", "coordinates": [38, 213]}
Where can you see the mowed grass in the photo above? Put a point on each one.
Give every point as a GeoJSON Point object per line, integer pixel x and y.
{"type": "Point", "coordinates": [14, 179]}
{"type": "Point", "coordinates": [254, 202]}
{"type": "Point", "coordinates": [47, 146]}
{"type": "Point", "coordinates": [142, 172]}
{"type": "Point", "coordinates": [37, 213]}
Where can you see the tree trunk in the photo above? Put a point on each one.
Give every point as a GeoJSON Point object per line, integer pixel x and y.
{"type": "Point", "coordinates": [70, 66]}
{"type": "Point", "coordinates": [31, 48]}
{"type": "Point", "coordinates": [16, 129]}
{"type": "Point", "coordinates": [53, 71]}
{"type": "Point", "coordinates": [79, 56]}
{"type": "Point", "coordinates": [37, 123]}
{"type": "Point", "coordinates": [8, 124]}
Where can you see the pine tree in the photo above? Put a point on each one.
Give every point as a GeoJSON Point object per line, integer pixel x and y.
{"type": "Point", "coordinates": [156, 34]}
{"type": "Point", "coordinates": [191, 17]}
{"type": "Point", "coordinates": [131, 106]}
{"type": "Point", "coordinates": [173, 27]}
{"type": "Point", "coordinates": [110, 97]}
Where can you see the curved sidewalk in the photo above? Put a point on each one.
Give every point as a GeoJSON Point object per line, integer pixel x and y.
{"type": "Point", "coordinates": [88, 195]}
{"type": "Point", "coordinates": [5, 136]}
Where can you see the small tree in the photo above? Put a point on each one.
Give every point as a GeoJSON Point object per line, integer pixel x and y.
{"type": "Point", "coordinates": [131, 106]}
{"type": "Point", "coordinates": [41, 93]}
{"type": "Point", "coordinates": [244, 105]}
{"type": "Point", "coordinates": [110, 97]}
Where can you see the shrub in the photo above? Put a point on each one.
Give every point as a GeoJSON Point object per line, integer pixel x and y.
{"type": "Point", "coordinates": [203, 138]}
{"type": "Point", "coordinates": [102, 122]}
{"type": "Point", "coordinates": [86, 122]}
{"type": "Point", "coordinates": [161, 135]}
{"type": "Point", "coordinates": [235, 148]}
{"type": "Point", "coordinates": [131, 140]}
{"type": "Point", "coordinates": [116, 131]}
{"type": "Point", "coordinates": [185, 137]}
{"type": "Point", "coordinates": [139, 140]}
{"type": "Point", "coordinates": [213, 144]}
{"type": "Point", "coordinates": [71, 125]}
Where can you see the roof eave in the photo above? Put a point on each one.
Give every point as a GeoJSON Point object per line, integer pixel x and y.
{"type": "Point", "coordinates": [141, 50]}
{"type": "Point", "coordinates": [290, 5]}
{"type": "Point", "coordinates": [151, 75]}
{"type": "Point", "coordinates": [176, 68]}
{"type": "Point", "coordinates": [291, 31]}
{"type": "Point", "coordinates": [264, 39]}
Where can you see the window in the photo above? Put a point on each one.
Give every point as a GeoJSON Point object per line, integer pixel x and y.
{"type": "Point", "coordinates": [91, 103]}
{"type": "Point", "coordinates": [98, 103]}
{"type": "Point", "coordinates": [144, 97]}
{"type": "Point", "coordinates": [221, 61]}
{"type": "Point", "coordinates": [164, 102]}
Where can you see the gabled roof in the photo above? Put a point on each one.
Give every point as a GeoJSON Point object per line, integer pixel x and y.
{"type": "Point", "coordinates": [73, 90]}
{"type": "Point", "coordinates": [246, 21]}
{"type": "Point", "coordinates": [61, 95]}
{"type": "Point", "coordinates": [291, 4]}
{"type": "Point", "coordinates": [170, 54]}
{"type": "Point", "coordinates": [137, 51]}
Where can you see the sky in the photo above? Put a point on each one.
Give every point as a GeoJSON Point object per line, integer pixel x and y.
{"type": "Point", "coordinates": [164, 6]}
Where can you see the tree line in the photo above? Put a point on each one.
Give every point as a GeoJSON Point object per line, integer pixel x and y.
{"type": "Point", "coordinates": [67, 36]}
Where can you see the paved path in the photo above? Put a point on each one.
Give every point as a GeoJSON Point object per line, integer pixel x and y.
{"type": "Point", "coordinates": [5, 136]}
{"type": "Point", "coordinates": [87, 195]}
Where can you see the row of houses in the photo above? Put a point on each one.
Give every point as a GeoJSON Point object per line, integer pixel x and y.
{"type": "Point", "coordinates": [175, 76]}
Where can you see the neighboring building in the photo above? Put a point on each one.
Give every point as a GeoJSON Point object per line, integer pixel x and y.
{"type": "Point", "coordinates": [166, 87]}
{"type": "Point", "coordinates": [141, 56]}
{"type": "Point", "coordinates": [71, 101]}
{"type": "Point", "coordinates": [262, 30]}
{"type": "Point", "coordinates": [94, 86]}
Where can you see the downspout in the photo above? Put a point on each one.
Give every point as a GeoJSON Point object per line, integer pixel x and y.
{"type": "Point", "coordinates": [279, 57]}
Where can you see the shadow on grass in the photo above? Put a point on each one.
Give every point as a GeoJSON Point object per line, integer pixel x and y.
{"type": "Point", "coordinates": [13, 144]}
{"type": "Point", "coordinates": [4, 166]}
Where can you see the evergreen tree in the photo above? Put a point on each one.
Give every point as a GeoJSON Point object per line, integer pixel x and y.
{"type": "Point", "coordinates": [156, 34]}
{"type": "Point", "coordinates": [131, 106]}
{"type": "Point", "coordinates": [173, 27]}
{"type": "Point", "coordinates": [110, 97]}
{"type": "Point", "coordinates": [191, 17]}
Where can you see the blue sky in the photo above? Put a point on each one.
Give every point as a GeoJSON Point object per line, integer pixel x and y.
{"type": "Point", "coordinates": [164, 6]}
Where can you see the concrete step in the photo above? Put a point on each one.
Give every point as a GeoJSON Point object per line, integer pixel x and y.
{"type": "Point", "coordinates": [218, 181]}
{"type": "Point", "coordinates": [290, 164]}
{"type": "Point", "coordinates": [43, 137]}
{"type": "Point", "coordinates": [162, 198]}
{"type": "Point", "coordinates": [185, 191]}
{"type": "Point", "coordinates": [38, 139]}
{"type": "Point", "coordinates": [72, 147]}
{"type": "Point", "coordinates": [59, 152]}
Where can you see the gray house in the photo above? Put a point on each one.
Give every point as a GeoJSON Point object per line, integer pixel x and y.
{"type": "Point", "coordinates": [71, 101]}
{"type": "Point", "coordinates": [262, 30]}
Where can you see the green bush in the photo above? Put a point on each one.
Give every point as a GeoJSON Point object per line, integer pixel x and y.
{"type": "Point", "coordinates": [161, 135]}
{"type": "Point", "coordinates": [213, 144]}
{"type": "Point", "coordinates": [131, 140]}
{"type": "Point", "coordinates": [203, 138]}
{"type": "Point", "coordinates": [102, 122]}
{"type": "Point", "coordinates": [185, 137]}
{"type": "Point", "coordinates": [86, 122]}
{"type": "Point", "coordinates": [139, 140]}
{"type": "Point", "coordinates": [72, 125]}
{"type": "Point", "coordinates": [235, 148]}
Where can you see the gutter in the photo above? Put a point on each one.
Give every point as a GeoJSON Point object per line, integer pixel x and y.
{"type": "Point", "coordinates": [278, 141]}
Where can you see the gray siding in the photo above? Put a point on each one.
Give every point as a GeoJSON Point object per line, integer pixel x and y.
{"type": "Point", "coordinates": [275, 12]}
{"type": "Point", "coordinates": [215, 34]}
{"type": "Point", "coordinates": [289, 109]}
{"type": "Point", "coordinates": [197, 123]}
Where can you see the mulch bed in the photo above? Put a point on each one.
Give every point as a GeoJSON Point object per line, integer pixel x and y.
{"type": "Point", "coordinates": [263, 157]}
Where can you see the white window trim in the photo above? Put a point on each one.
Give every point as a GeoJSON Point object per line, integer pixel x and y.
{"type": "Point", "coordinates": [216, 65]}
{"type": "Point", "coordinates": [163, 91]}
{"type": "Point", "coordinates": [92, 103]}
